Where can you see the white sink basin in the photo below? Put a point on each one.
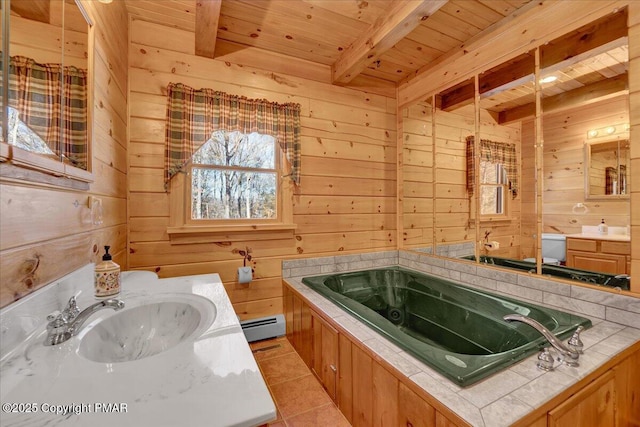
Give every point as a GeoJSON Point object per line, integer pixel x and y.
{"type": "Point", "coordinates": [179, 343]}
{"type": "Point", "coordinates": [147, 329]}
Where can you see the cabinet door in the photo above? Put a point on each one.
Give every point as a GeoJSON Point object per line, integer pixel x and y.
{"type": "Point", "coordinates": [288, 312]}
{"type": "Point", "coordinates": [306, 344]}
{"type": "Point", "coordinates": [325, 354]}
{"type": "Point", "coordinates": [385, 397]}
{"type": "Point", "coordinates": [362, 370]}
{"type": "Point", "coordinates": [345, 378]}
{"type": "Point", "coordinates": [606, 263]}
{"type": "Point", "coordinates": [297, 323]}
{"type": "Point", "coordinates": [413, 411]}
{"type": "Point", "coordinates": [594, 405]}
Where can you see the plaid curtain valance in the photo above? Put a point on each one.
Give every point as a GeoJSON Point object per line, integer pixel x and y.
{"type": "Point", "coordinates": [495, 152]}
{"type": "Point", "coordinates": [52, 101]}
{"type": "Point", "coordinates": [193, 115]}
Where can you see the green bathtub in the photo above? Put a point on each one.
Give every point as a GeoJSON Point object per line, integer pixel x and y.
{"type": "Point", "coordinates": [457, 330]}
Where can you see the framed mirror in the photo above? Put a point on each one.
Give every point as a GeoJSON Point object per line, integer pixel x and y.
{"type": "Point", "coordinates": [417, 185]}
{"type": "Point", "coordinates": [47, 113]}
{"type": "Point", "coordinates": [504, 92]}
{"type": "Point", "coordinates": [454, 118]}
{"type": "Point", "coordinates": [4, 92]}
{"type": "Point", "coordinates": [547, 102]}
{"type": "Point", "coordinates": [585, 155]}
{"type": "Point", "coordinates": [607, 165]}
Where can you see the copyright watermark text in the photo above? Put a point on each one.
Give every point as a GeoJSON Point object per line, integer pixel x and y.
{"type": "Point", "coordinates": [65, 409]}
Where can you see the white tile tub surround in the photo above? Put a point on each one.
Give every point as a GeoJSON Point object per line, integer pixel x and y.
{"type": "Point", "coordinates": [209, 379]}
{"type": "Point", "coordinates": [588, 302]}
{"type": "Point", "coordinates": [507, 396]}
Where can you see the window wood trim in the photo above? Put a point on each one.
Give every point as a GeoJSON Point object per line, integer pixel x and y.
{"type": "Point", "coordinates": [21, 165]}
{"type": "Point", "coordinates": [506, 217]}
{"type": "Point", "coordinates": [182, 230]}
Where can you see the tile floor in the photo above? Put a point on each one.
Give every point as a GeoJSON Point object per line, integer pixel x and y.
{"type": "Point", "coordinates": [300, 399]}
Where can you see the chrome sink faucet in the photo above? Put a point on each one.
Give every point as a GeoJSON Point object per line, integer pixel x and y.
{"type": "Point", "coordinates": [571, 351]}
{"type": "Point", "coordinates": [64, 325]}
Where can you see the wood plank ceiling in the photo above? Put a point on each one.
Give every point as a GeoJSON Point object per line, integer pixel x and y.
{"type": "Point", "coordinates": [385, 41]}
{"type": "Point", "coordinates": [381, 39]}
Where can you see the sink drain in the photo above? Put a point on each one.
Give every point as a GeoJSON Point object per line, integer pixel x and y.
{"type": "Point", "coordinates": [396, 316]}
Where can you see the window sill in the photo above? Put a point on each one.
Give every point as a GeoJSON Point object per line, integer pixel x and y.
{"type": "Point", "coordinates": [22, 165]}
{"type": "Point", "coordinates": [189, 234]}
{"type": "Point", "coordinates": [491, 220]}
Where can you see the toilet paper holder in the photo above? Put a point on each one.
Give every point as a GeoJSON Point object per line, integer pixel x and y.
{"type": "Point", "coordinates": [245, 274]}
{"type": "Point", "coordinates": [492, 245]}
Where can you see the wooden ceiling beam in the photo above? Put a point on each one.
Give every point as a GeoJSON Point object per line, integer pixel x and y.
{"type": "Point", "coordinates": [582, 41]}
{"type": "Point", "coordinates": [504, 77]}
{"type": "Point", "coordinates": [571, 99]}
{"type": "Point", "coordinates": [580, 45]}
{"type": "Point", "coordinates": [207, 16]}
{"type": "Point", "coordinates": [278, 63]}
{"type": "Point", "coordinates": [510, 74]}
{"type": "Point", "coordinates": [400, 19]}
{"type": "Point", "coordinates": [36, 10]}
{"type": "Point", "coordinates": [456, 97]}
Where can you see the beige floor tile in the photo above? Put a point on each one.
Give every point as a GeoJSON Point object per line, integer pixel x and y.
{"type": "Point", "coordinates": [300, 399]}
{"type": "Point", "coordinates": [299, 395]}
{"type": "Point", "coordinates": [263, 350]}
{"type": "Point", "coordinates": [327, 415]}
{"type": "Point", "coordinates": [283, 368]}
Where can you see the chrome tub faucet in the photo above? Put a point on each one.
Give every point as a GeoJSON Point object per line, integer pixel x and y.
{"type": "Point", "coordinates": [571, 351]}
{"type": "Point", "coordinates": [64, 325]}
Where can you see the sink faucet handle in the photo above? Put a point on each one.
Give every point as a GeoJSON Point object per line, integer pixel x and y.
{"type": "Point", "coordinates": [71, 311]}
{"type": "Point", "coordinates": [575, 343]}
{"type": "Point", "coordinates": [54, 315]}
{"type": "Point", "coordinates": [545, 360]}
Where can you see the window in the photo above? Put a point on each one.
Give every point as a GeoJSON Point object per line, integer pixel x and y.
{"type": "Point", "coordinates": [493, 187]}
{"type": "Point", "coordinates": [231, 164]}
{"type": "Point", "coordinates": [236, 184]}
{"type": "Point", "coordinates": [234, 176]}
{"type": "Point", "coordinates": [498, 178]}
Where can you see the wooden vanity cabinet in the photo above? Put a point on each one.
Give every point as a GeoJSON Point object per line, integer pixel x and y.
{"type": "Point", "coordinates": [325, 354]}
{"type": "Point", "coordinates": [609, 400]}
{"type": "Point", "coordinates": [593, 405]}
{"type": "Point", "coordinates": [367, 391]}
{"type": "Point", "coordinates": [370, 392]}
{"type": "Point", "coordinates": [314, 339]}
{"type": "Point", "coordinates": [607, 256]}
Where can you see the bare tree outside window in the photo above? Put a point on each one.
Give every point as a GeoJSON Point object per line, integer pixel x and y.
{"type": "Point", "coordinates": [234, 176]}
{"type": "Point", "coordinates": [492, 180]}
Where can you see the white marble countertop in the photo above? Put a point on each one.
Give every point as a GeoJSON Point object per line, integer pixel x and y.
{"type": "Point", "coordinates": [596, 236]}
{"type": "Point", "coordinates": [501, 399]}
{"type": "Point", "coordinates": [210, 380]}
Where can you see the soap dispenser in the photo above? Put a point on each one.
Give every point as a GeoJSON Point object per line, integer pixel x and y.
{"type": "Point", "coordinates": [603, 228]}
{"type": "Point", "coordinates": [107, 276]}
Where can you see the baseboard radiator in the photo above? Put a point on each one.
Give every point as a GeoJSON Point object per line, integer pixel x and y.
{"type": "Point", "coordinates": [263, 328]}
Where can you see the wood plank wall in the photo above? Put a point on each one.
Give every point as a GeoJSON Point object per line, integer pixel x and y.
{"type": "Point", "coordinates": [417, 172]}
{"type": "Point", "coordinates": [452, 206]}
{"type": "Point", "coordinates": [346, 202]}
{"type": "Point", "coordinates": [452, 200]}
{"type": "Point", "coordinates": [528, 212]}
{"type": "Point", "coordinates": [42, 42]}
{"type": "Point", "coordinates": [507, 233]}
{"type": "Point", "coordinates": [565, 134]}
{"type": "Point", "coordinates": [43, 234]}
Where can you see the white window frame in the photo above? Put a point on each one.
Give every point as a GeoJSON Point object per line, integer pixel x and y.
{"type": "Point", "coordinates": [505, 200]}
{"type": "Point", "coordinates": [183, 229]}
